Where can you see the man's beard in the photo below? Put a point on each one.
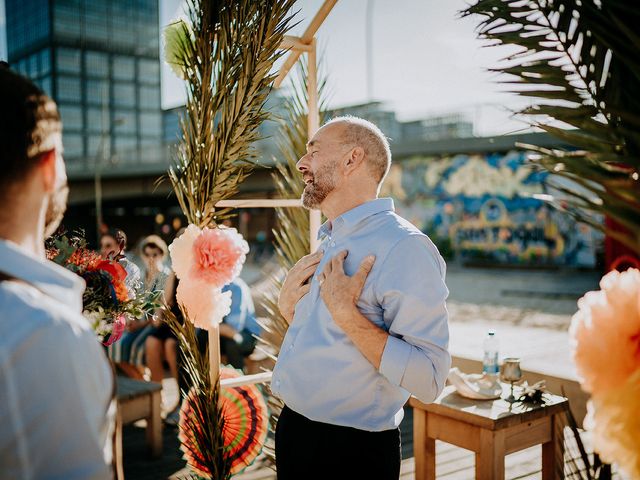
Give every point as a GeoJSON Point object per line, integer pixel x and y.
{"type": "Point", "coordinates": [55, 210]}
{"type": "Point", "coordinates": [323, 184]}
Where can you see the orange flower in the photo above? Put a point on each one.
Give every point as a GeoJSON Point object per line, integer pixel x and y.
{"type": "Point", "coordinates": [85, 258]}
{"type": "Point", "coordinates": [605, 333]}
{"type": "Point", "coordinates": [122, 294]}
{"type": "Point", "coordinates": [118, 275]}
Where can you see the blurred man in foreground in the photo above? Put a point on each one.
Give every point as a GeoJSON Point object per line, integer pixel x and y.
{"type": "Point", "coordinates": [56, 385]}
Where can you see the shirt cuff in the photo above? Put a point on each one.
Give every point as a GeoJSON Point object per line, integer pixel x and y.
{"type": "Point", "coordinates": [394, 359]}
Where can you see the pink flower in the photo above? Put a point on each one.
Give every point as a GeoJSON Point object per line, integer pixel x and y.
{"type": "Point", "coordinates": [117, 329]}
{"type": "Point", "coordinates": [605, 333]}
{"type": "Point", "coordinates": [218, 255]}
{"type": "Point", "coordinates": [205, 305]}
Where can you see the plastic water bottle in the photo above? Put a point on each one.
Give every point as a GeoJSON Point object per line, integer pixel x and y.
{"type": "Point", "coordinates": [490, 357]}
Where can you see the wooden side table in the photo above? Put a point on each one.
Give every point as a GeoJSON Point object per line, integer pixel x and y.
{"type": "Point", "coordinates": [491, 429]}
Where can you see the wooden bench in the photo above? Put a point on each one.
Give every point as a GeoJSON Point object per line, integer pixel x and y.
{"type": "Point", "coordinates": [138, 400]}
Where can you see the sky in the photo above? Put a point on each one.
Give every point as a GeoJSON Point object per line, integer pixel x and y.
{"type": "Point", "coordinates": [425, 60]}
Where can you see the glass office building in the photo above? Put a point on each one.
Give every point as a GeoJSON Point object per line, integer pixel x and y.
{"type": "Point", "coordinates": [100, 61]}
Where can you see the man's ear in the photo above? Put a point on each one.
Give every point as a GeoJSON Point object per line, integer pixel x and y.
{"type": "Point", "coordinates": [354, 159]}
{"type": "Point", "coordinates": [47, 167]}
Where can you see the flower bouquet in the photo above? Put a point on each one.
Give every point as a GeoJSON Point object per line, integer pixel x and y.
{"type": "Point", "coordinates": [112, 294]}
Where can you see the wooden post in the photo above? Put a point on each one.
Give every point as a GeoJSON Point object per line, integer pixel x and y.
{"type": "Point", "coordinates": [306, 38]}
{"type": "Point", "coordinates": [313, 119]}
{"type": "Point", "coordinates": [553, 450]}
{"type": "Point", "coordinates": [214, 353]}
{"type": "Point", "coordinates": [154, 424]}
{"type": "Point", "coordinates": [313, 124]}
{"type": "Point", "coordinates": [490, 457]}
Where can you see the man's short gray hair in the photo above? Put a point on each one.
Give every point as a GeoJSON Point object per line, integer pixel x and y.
{"type": "Point", "coordinates": [362, 133]}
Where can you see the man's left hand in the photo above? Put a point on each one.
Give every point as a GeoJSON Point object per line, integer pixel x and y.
{"type": "Point", "coordinates": [339, 291]}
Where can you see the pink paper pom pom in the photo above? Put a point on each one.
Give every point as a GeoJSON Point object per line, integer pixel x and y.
{"type": "Point", "coordinates": [218, 256]}
{"type": "Point", "coordinates": [205, 305]}
{"type": "Point", "coordinates": [181, 251]}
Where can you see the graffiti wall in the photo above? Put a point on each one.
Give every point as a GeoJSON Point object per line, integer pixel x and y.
{"type": "Point", "coordinates": [482, 208]}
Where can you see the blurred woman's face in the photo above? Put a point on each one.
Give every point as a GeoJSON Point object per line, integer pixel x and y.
{"type": "Point", "coordinates": [108, 246]}
{"type": "Point", "coordinates": [152, 257]}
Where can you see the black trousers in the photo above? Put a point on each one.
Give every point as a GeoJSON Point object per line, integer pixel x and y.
{"type": "Point", "coordinates": [306, 449]}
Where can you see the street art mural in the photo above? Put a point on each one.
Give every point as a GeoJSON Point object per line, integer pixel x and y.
{"type": "Point", "coordinates": [482, 208]}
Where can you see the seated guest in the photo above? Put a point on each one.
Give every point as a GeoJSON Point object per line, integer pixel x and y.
{"type": "Point", "coordinates": [113, 246]}
{"type": "Point", "coordinates": [161, 343]}
{"type": "Point", "coordinates": [129, 352]}
{"type": "Point", "coordinates": [239, 329]}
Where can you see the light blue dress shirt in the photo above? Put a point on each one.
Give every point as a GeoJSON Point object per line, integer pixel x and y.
{"type": "Point", "coordinates": [322, 375]}
{"type": "Point", "coordinates": [56, 408]}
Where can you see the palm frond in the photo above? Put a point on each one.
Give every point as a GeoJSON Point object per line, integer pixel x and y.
{"type": "Point", "coordinates": [578, 59]}
{"type": "Point", "coordinates": [226, 53]}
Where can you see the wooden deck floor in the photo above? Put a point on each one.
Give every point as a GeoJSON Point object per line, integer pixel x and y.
{"type": "Point", "coordinates": [452, 463]}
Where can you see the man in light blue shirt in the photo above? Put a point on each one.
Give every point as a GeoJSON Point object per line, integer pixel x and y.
{"type": "Point", "coordinates": [368, 321]}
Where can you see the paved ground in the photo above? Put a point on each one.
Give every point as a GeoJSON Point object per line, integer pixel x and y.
{"type": "Point", "coordinates": [525, 297]}
{"type": "Point", "coordinates": [531, 298]}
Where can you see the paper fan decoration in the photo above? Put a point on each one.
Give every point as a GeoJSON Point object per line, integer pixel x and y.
{"type": "Point", "coordinates": [244, 425]}
{"type": "Point", "coordinates": [245, 421]}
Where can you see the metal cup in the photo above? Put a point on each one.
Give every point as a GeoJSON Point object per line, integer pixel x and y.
{"type": "Point", "coordinates": [511, 373]}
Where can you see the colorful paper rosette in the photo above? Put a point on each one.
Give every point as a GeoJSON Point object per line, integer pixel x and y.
{"type": "Point", "coordinates": [244, 426]}
{"type": "Point", "coordinates": [246, 420]}
{"type": "Point", "coordinates": [205, 260]}
{"type": "Point", "coordinates": [605, 336]}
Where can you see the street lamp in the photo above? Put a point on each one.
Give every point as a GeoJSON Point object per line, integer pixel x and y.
{"type": "Point", "coordinates": [103, 153]}
{"type": "Point", "coordinates": [368, 45]}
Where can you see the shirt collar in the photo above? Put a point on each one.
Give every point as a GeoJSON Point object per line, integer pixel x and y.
{"type": "Point", "coordinates": [354, 216]}
{"type": "Point", "coordinates": [51, 279]}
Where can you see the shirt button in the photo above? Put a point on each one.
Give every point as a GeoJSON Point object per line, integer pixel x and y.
{"type": "Point", "coordinates": [277, 383]}
{"type": "Point", "coordinates": [333, 244]}
{"type": "Point", "coordinates": [290, 347]}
